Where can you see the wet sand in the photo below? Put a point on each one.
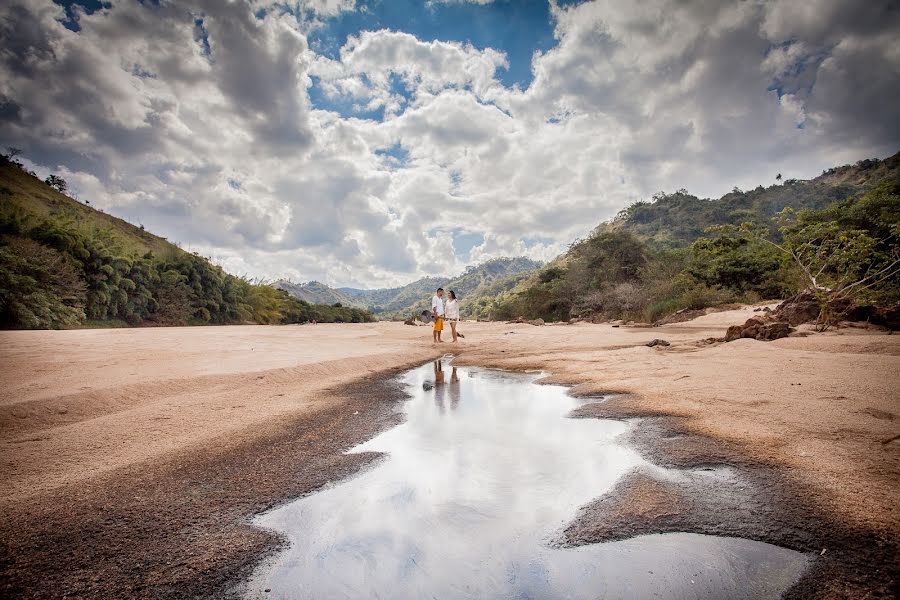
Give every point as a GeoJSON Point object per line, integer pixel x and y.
{"type": "Point", "coordinates": [132, 458]}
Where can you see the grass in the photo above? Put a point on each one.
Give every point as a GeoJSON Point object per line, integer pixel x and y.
{"type": "Point", "coordinates": [31, 196]}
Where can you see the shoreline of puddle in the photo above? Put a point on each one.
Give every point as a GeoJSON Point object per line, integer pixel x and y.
{"type": "Point", "coordinates": [363, 557]}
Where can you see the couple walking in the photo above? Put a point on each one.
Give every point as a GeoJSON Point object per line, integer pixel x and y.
{"type": "Point", "coordinates": [444, 312]}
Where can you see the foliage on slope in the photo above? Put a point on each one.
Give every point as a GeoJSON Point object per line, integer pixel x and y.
{"type": "Point", "coordinates": [681, 252]}
{"type": "Point", "coordinates": [679, 218]}
{"type": "Point", "coordinates": [63, 263]}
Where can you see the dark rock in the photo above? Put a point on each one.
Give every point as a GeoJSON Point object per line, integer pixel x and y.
{"type": "Point", "coordinates": [805, 308]}
{"type": "Point", "coordinates": [657, 342]}
{"type": "Point", "coordinates": [887, 317]}
{"type": "Point", "coordinates": [802, 308]}
{"type": "Point", "coordinates": [759, 328]}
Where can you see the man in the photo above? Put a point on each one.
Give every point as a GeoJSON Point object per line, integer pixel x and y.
{"type": "Point", "coordinates": [437, 311]}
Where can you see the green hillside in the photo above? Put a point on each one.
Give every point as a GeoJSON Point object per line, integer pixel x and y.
{"type": "Point", "coordinates": [315, 292]}
{"type": "Point", "coordinates": [65, 264]}
{"type": "Point", "coordinates": [679, 218]}
{"type": "Point", "coordinates": [474, 287]}
{"type": "Point", "coordinates": [678, 251]}
{"type": "Point", "coordinates": [23, 192]}
{"type": "Point", "coordinates": [389, 300]}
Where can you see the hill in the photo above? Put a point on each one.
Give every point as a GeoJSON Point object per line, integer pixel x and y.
{"type": "Point", "coordinates": [315, 292]}
{"type": "Point", "coordinates": [474, 287]}
{"type": "Point", "coordinates": [64, 264]}
{"type": "Point", "coordinates": [679, 218]}
{"type": "Point", "coordinates": [678, 251]}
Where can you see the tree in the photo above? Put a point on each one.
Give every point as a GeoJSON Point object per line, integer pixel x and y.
{"type": "Point", "coordinates": [57, 183]}
{"type": "Point", "coordinates": [734, 260]}
{"type": "Point", "coordinates": [848, 253]}
{"type": "Point", "coordinates": [11, 153]}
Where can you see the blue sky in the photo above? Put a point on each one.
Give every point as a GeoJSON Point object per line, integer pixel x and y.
{"type": "Point", "coordinates": [517, 27]}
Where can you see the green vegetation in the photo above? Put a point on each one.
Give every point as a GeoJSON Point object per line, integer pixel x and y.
{"type": "Point", "coordinates": [315, 292]}
{"type": "Point", "coordinates": [848, 253]}
{"type": "Point", "coordinates": [476, 287]}
{"type": "Point", "coordinates": [837, 234]}
{"type": "Point", "coordinates": [64, 264]}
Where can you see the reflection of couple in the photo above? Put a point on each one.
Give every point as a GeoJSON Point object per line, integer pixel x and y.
{"type": "Point", "coordinates": [444, 312]}
{"type": "Point", "coordinates": [441, 388]}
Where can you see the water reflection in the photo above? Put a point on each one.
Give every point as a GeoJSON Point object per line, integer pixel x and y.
{"type": "Point", "coordinates": [483, 472]}
{"type": "Point", "coordinates": [444, 390]}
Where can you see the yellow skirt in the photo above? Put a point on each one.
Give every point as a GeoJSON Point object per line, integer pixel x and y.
{"type": "Point", "coordinates": [439, 324]}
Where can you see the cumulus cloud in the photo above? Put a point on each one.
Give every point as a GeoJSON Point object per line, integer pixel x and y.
{"type": "Point", "coordinates": [195, 119]}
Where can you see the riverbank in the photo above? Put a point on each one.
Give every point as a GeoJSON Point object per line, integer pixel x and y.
{"type": "Point", "coordinates": [134, 456]}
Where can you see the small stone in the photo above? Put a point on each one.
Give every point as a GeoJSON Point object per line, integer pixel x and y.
{"type": "Point", "coordinates": [657, 342]}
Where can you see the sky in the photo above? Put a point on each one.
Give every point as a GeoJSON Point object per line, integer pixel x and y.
{"type": "Point", "coordinates": [371, 142]}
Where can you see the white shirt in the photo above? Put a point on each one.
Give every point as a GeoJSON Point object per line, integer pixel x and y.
{"type": "Point", "coordinates": [453, 310]}
{"type": "Point", "coordinates": [437, 306]}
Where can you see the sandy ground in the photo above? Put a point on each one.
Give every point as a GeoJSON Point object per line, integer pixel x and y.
{"type": "Point", "coordinates": [194, 429]}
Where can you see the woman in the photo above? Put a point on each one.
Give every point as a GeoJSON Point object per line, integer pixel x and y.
{"type": "Point", "coordinates": [451, 312]}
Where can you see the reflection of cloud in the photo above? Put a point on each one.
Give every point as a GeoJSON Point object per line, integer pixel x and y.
{"type": "Point", "coordinates": [150, 115]}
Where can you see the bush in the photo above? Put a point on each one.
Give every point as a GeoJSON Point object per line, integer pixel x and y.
{"type": "Point", "coordinates": [39, 287]}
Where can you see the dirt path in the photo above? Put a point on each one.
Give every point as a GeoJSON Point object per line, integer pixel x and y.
{"type": "Point", "coordinates": [133, 456]}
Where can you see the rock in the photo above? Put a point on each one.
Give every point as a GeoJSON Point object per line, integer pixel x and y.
{"type": "Point", "coordinates": [887, 317]}
{"type": "Point", "coordinates": [537, 322]}
{"type": "Point", "coordinates": [802, 308]}
{"type": "Point", "coordinates": [657, 342]}
{"type": "Point", "coordinates": [759, 328]}
{"type": "Point", "coordinates": [410, 322]}
{"type": "Point", "coordinates": [805, 308]}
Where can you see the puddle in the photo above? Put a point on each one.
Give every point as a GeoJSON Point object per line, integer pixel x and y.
{"type": "Point", "coordinates": [485, 471]}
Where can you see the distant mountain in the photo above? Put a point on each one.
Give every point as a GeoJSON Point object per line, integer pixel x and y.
{"type": "Point", "coordinates": [472, 286]}
{"type": "Point", "coordinates": [475, 287]}
{"type": "Point", "coordinates": [316, 292]}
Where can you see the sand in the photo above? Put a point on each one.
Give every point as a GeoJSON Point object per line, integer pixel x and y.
{"type": "Point", "coordinates": [91, 414]}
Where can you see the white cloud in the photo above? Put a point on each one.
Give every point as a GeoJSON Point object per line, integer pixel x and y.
{"type": "Point", "coordinates": [205, 132]}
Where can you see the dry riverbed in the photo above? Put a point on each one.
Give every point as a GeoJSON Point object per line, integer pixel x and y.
{"type": "Point", "coordinates": [131, 459]}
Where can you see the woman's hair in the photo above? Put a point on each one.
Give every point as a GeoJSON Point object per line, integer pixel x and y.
{"type": "Point", "coordinates": [452, 295]}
